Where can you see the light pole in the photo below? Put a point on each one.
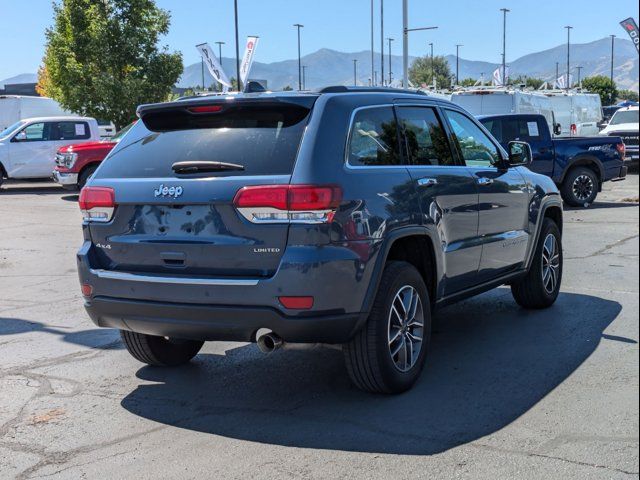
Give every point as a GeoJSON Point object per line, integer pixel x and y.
{"type": "Point", "coordinates": [202, 66]}
{"type": "Point", "coordinates": [504, 45]}
{"type": "Point", "coordinates": [432, 69]}
{"type": "Point", "coordinates": [355, 72]}
{"type": "Point", "coordinates": [220, 56]}
{"type": "Point", "coordinates": [555, 82]}
{"type": "Point", "coordinates": [235, 13]}
{"type": "Point", "coordinates": [372, 46]}
{"type": "Point", "coordinates": [613, 39]}
{"type": "Point", "coordinates": [299, 26]}
{"type": "Point", "coordinates": [382, 42]}
{"type": "Point", "coordinates": [390, 72]}
{"type": "Point", "coordinates": [568, 27]}
{"type": "Point", "coordinates": [304, 77]}
{"type": "Point", "coordinates": [405, 41]}
{"type": "Point", "coordinates": [579, 68]}
{"type": "Point", "coordinates": [458, 61]}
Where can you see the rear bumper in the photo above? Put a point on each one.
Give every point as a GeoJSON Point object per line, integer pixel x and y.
{"type": "Point", "coordinates": [210, 322]}
{"type": "Point", "coordinates": [622, 175]}
{"type": "Point", "coordinates": [65, 179]}
{"type": "Point", "coordinates": [235, 308]}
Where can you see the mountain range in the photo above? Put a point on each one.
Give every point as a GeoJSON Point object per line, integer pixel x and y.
{"type": "Point", "coordinates": [330, 67]}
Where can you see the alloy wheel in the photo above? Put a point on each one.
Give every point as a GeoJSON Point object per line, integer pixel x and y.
{"type": "Point", "coordinates": [583, 187]}
{"type": "Point", "coordinates": [406, 328]}
{"type": "Point", "coordinates": [550, 263]}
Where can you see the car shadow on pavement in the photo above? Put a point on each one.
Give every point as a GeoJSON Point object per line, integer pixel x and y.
{"type": "Point", "coordinates": [100, 338]}
{"type": "Point", "coordinates": [490, 362]}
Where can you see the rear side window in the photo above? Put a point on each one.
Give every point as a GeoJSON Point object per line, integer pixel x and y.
{"type": "Point", "coordinates": [374, 138]}
{"type": "Point", "coordinates": [427, 142]}
{"type": "Point", "coordinates": [70, 131]}
{"type": "Point", "coordinates": [264, 140]}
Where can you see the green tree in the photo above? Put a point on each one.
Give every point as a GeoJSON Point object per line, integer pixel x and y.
{"type": "Point", "coordinates": [531, 82]}
{"type": "Point", "coordinates": [287, 88]}
{"type": "Point", "coordinates": [102, 58]}
{"type": "Point", "coordinates": [420, 71]}
{"type": "Point", "coordinates": [468, 82]}
{"type": "Point", "coordinates": [603, 86]}
{"type": "Point", "coordinates": [628, 95]}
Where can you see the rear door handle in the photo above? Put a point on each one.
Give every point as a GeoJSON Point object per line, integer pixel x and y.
{"type": "Point", "coordinates": [427, 182]}
{"type": "Point", "coordinates": [485, 181]}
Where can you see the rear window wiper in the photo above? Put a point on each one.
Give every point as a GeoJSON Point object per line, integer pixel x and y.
{"type": "Point", "coordinates": [197, 166]}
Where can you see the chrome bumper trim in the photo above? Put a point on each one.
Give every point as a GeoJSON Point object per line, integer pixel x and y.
{"type": "Point", "coordinates": [136, 277]}
{"type": "Point", "coordinates": [65, 178]}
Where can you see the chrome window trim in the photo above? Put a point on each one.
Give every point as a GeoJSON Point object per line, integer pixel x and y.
{"type": "Point", "coordinates": [135, 277]}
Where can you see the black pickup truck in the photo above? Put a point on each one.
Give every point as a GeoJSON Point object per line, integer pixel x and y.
{"type": "Point", "coordinates": [578, 165]}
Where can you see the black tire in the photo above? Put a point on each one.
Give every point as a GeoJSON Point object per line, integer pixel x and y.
{"type": "Point", "coordinates": [534, 291]}
{"type": "Point", "coordinates": [368, 355]}
{"type": "Point", "coordinates": [159, 351]}
{"type": "Point", "coordinates": [85, 174]}
{"type": "Point", "coordinates": [580, 187]}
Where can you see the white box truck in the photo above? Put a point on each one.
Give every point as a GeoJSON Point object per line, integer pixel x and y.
{"type": "Point", "coordinates": [500, 101]}
{"type": "Point", "coordinates": [18, 107]}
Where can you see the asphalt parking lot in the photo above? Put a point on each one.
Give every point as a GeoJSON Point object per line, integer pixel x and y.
{"type": "Point", "coordinates": [506, 393]}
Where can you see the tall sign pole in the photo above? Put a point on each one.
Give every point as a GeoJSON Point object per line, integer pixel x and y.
{"type": "Point", "coordinates": [504, 45]}
{"type": "Point", "coordinates": [568, 84]}
{"type": "Point", "coordinates": [235, 11]}
{"type": "Point", "coordinates": [382, 42]}
{"type": "Point", "coordinates": [405, 43]}
{"type": "Point", "coordinates": [372, 46]}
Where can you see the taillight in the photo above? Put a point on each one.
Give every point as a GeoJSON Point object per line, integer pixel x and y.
{"type": "Point", "coordinates": [97, 203]}
{"type": "Point", "coordinates": [621, 149]}
{"type": "Point", "coordinates": [288, 203]}
{"type": "Point", "coordinates": [574, 129]}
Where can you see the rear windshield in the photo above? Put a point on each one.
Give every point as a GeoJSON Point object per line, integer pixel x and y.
{"type": "Point", "coordinates": [264, 140]}
{"type": "Point", "coordinates": [624, 116]}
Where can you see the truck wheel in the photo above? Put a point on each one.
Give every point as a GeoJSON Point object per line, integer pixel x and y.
{"type": "Point", "coordinates": [580, 187]}
{"type": "Point", "coordinates": [84, 176]}
{"type": "Point", "coordinates": [387, 355]}
{"type": "Point", "coordinates": [541, 286]}
{"type": "Point", "coordinates": [160, 351]}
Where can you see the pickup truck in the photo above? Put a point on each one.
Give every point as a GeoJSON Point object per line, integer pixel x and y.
{"type": "Point", "coordinates": [578, 165]}
{"type": "Point", "coordinates": [75, 163]}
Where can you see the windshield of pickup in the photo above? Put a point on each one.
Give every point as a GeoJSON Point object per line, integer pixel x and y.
{"type": "Point", "coordinates": [622, 116]}
{"type": "Point", "coordinates": [11, 128]}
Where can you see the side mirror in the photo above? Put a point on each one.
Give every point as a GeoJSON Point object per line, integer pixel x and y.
{"type": "Point", "coordinates": [20, 137]}
{"type": "Point", "coordinates": [519, 154]}
{"type": "Point", "coordinates": [557, 129]}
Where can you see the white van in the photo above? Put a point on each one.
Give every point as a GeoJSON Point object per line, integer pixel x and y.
{"type": "Point", "coordinates": [17, 107]}
{"type": "Point", "coordinates": [495, 101]}
{"type": "Point", "coordinates": [577, 113]}
{"type": "Point", "coordinates": [28, 147]}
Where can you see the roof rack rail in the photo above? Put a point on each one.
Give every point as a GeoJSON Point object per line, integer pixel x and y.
{"type": "Point", "coordinates": [346, 89]}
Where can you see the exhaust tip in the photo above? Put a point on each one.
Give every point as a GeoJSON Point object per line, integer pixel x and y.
{"type": "Point", "coordinates": [268, 341]}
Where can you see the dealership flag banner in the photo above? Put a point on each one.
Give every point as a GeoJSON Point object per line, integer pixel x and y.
{"type": "Point", "coordinates": [497, 77]}
{"type": "Point", "coordinates": [213, 65]}
{"type": "Point", "coordinates": [561, 82]}
{"type": "Point", "coordinates": [247, 60]}
{"type": "Point", "coordinates": [631, 27]}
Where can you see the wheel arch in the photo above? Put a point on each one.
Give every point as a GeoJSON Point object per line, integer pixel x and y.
{"type": "Point", "coordinates": [414, 245]}
{"type": "Point", "coordinates": [588, 161]}
{"type": "Point", "coordinates": [551, 207]}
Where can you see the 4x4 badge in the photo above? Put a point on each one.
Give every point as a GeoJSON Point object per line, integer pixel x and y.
{"type": "Point", "coordinates": [164, 191]}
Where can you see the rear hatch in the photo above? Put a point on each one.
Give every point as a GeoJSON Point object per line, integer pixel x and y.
{"type": "Point", "coordinates": [180, 219]}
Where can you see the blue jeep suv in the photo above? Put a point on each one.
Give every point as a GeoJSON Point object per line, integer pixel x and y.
{"type": "Point", "coordinates": [345, 216]}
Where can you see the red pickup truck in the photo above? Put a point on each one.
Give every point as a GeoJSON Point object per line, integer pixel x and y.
{"type": "Point", "coordinates": [76, 163]}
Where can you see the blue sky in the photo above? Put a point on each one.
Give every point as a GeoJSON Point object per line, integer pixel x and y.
{"type": "Point", "coordinates": [342, 25]}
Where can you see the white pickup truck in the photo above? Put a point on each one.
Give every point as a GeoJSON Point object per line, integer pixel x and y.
{"type": "Point", "coordinates": [28, 147]}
